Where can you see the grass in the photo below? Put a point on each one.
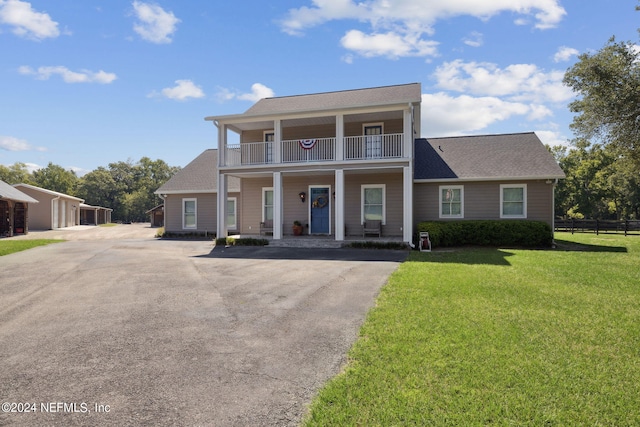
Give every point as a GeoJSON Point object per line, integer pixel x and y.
{"type": "Point", "coordinates": [499, 337]}
{"type": "Point", "coordinates": [109, 224]}
{"type": "Point", "coordinates": [10, 246]}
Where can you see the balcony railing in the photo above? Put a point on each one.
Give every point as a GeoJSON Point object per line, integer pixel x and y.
{"type": "Point", "coordinates": [368, 147]}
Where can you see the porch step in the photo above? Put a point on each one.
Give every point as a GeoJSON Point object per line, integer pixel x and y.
{"type": "Point", "coordinates": [305, 243]}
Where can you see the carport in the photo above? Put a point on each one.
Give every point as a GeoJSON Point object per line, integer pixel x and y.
{"type": "Point", "coordinates": [14, 208]}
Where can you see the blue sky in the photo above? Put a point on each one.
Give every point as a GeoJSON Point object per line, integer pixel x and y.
{"type": "Point", "coordinates": [86, 83]}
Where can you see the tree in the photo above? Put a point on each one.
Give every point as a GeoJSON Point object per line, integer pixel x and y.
{"type": "Point", "coordinates": [56, 178]}
{"type": "Point", "coordinates": [15, 174]}
{"type": "Point", "coordinates": [608, 85]}
{"type": "Point", "coordinates": [98, 188]}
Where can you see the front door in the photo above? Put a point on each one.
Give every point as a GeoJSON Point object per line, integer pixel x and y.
{"type": "Point", "coordinates": [320, 210]}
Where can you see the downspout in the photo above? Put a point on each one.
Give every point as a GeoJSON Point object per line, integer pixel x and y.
{"type": "Point", "coordinates": [553, 213]}
{"type": "Point", "coordinates": [411, 163]}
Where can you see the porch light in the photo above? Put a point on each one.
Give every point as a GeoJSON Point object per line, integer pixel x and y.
{"type": "Point", "coordinates": [302, 196]}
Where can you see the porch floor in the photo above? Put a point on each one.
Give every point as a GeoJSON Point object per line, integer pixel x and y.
{"type": "Point", "coordinates": [318, 241]}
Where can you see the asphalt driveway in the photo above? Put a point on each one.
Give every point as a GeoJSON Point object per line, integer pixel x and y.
{"type": "Point", "coordinates": [155, 332]}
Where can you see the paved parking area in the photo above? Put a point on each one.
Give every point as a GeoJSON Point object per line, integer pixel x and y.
{"type": "Point", "coordinates": [138, 331]}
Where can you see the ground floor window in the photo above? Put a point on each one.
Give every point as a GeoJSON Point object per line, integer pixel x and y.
{"type": "Point", "coordinates": [189, 213]}
{"type": "Point", "coordinates": [451, 201]}
{"type": "Point", "coordinates": [373, 202]}
{"type": "Point", "coordinates": [267, 204]}
{"type": "Point", "coordinates": [513, 201]}
{"type": "Point", "coordinates": [231, 213]}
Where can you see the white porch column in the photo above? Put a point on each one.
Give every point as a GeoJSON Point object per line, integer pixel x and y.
{"type": "Point", "coordinates": [221, 230]}
{"type": "Point", "coordinates": [277, 141]}
{"type": "Point", "coordinates": [408, 134]}
{"type": "Point", "coordinates": [407, 202]}
{"type": "Point", "coordinates": [222, 144]}
{"type": "Point", "coordinates": [277, 205]}
{"type": "Point", "coordinates": [339, 137]}
{"type": "Point", "coordinates": [339, 204]}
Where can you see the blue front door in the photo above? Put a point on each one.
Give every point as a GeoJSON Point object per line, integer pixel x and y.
{"type": "Point", "coordinates": [320, 210]}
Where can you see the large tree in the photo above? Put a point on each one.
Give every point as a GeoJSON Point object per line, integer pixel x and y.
{"type": "Point", "coordinates": [608, 106]}
{"type": "Point", "coordinates": [56, 178]}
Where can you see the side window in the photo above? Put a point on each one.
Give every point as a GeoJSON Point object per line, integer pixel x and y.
{"type": "Point", "coordinates": [451, 201]}
{"type": "Point", "coordinates": [373, 203]}
{"type": "Point", "coordinates": [189, 213]}
{"type": "Point", "coordinates": [513, 201]}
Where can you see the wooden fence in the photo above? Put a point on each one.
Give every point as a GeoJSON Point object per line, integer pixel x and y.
{"type": "Point", "coordinates": [598, 226]}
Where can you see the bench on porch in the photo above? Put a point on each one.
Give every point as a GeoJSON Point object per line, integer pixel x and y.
{"type": "Point", "coordinates": [266, 227]}
{"type": "Point", "coordinates": [372, 227]}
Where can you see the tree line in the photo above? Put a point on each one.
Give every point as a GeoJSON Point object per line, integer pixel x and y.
{"type": "Point", "coordinates": [126, 187]}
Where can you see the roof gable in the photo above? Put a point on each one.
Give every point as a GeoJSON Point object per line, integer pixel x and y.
{"type": "Point", "coordinates": [49, 192]}
{"type": "Point", "coordinates": [486, 157]}
{"type": "Point", "coordinates": [199, 176]}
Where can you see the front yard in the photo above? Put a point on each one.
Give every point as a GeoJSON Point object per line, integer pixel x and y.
{"type": "Point", "coordinates": [499, 337]}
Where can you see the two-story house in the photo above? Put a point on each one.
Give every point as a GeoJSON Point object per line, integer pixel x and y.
{"type": "Point", "coordinates": [333, 161]}
{"type": "Point", "coordinates": [328, 160]}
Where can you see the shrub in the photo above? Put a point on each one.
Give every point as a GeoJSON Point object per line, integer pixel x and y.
{"type": "Point", "coordinates": [378, 245]}
{"type": "Point", "coordinates": [245, 241]}
{"type": "Point", "coordinates": [531, 234]}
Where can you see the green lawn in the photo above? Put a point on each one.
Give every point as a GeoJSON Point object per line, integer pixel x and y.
{"type": "Point", "coordinates": [8, 246]}
{"type": "Point", "coordinates": [499, 337]}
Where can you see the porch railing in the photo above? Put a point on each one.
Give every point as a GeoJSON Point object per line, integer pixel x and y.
{"type": "Point", "coordinates": [388, 146]}
{"type": "Point", "coordinates": [368, 147]}
{"type": "Point", "coordinates": [308, 150]}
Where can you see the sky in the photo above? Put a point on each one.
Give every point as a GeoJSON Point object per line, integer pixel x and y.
{"type": "Point", "coordinates": [87, 83]}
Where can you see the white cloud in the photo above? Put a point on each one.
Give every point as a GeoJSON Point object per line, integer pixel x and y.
{"type": "Point", "coordinates": [553, 138]}
{"type": "Point", "coordinates": [518, 82]}
{"type": "Point", "coordinates": [154, 23]}
{"type": "Point", "coordinates": [475, 39]}
{"type": "Point", "coordinates": [10, 143]}
{"type": "Point", "coordinates": [68, 76]}
{"type": "Point", "coordinates": [27, 22]}
{"type": "Point", "coordinates": [398, 26]}
{"type": "Point", "coordinates": [445, 115]}
{"type": "Point", "coordinates": [183, 90]}
{"type": "Point", "coordinates": [391, 45]}
{"type": "Point", "coordinates": [258, 92]}
{"type": "Point", "coordinates": [565, 53]}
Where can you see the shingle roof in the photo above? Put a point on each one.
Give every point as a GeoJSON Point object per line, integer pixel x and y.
{"type": "Point", "coordinates": [342, 99]}
{"type": "Point", "coordinates": [9, 192]}
{"type": "Point", "coordinates": [199, 176]}
{"type": "Point", "coordinates": [486, 157]}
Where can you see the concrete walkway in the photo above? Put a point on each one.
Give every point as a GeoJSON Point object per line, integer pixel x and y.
{"type": "Point", "coordinates": [139, 331]}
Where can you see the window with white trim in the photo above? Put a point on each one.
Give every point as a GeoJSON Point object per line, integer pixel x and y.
{"type": "Point", "coordinates": [267, 204]}
{"type": "Point", "coordinates": [231, 213]}
{"type": "Point", "coordinates": [513, 200]}
{"type": "Point", "coordinates": [373, 202]}
{"type": "Point", "coordinates": [451, 201]}
{"type": "Point", "coordinates": [189, 213]}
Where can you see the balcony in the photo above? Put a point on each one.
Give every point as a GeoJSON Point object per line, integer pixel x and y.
{"type": "Point", "coordinates": [353, 148]}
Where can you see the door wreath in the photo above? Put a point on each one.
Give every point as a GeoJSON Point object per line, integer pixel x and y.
{"type": "Point", "coordinates": [320, 201]}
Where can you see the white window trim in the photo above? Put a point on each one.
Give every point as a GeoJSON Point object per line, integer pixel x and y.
{"type": "Point", "coordinates": [452, 187]}
{"type": "Point", "coordinates": [268, 132]}
{"type": "Point", "coordinates": [233, 226]}
{"type": "Point", "coordinates": [370, 125]}
{"type": "Point", "coordinates": [384, 201]}
{"type": "Point", "coordinates": [195, 200]}
{"type": "Point", "coordinates": [524, 204]}
{"type": "Point", "coordinates": [264, 190]}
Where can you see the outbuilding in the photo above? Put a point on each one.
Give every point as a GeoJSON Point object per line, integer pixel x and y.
{"type": "Point", "coordinates": [14, 210]}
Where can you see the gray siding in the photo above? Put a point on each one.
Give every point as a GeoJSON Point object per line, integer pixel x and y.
{"type": "Point", "coordinates": [207, 212]}
{"type": "Point", "coordinates": [293, 209]}
{"type": "Point", "coordinates": [482, 200]}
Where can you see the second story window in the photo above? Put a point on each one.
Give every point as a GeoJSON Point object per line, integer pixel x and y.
{"type": "Point", "coordinates": [373, 140]}
{"type": "Point", "coordinates": [269, 138]}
